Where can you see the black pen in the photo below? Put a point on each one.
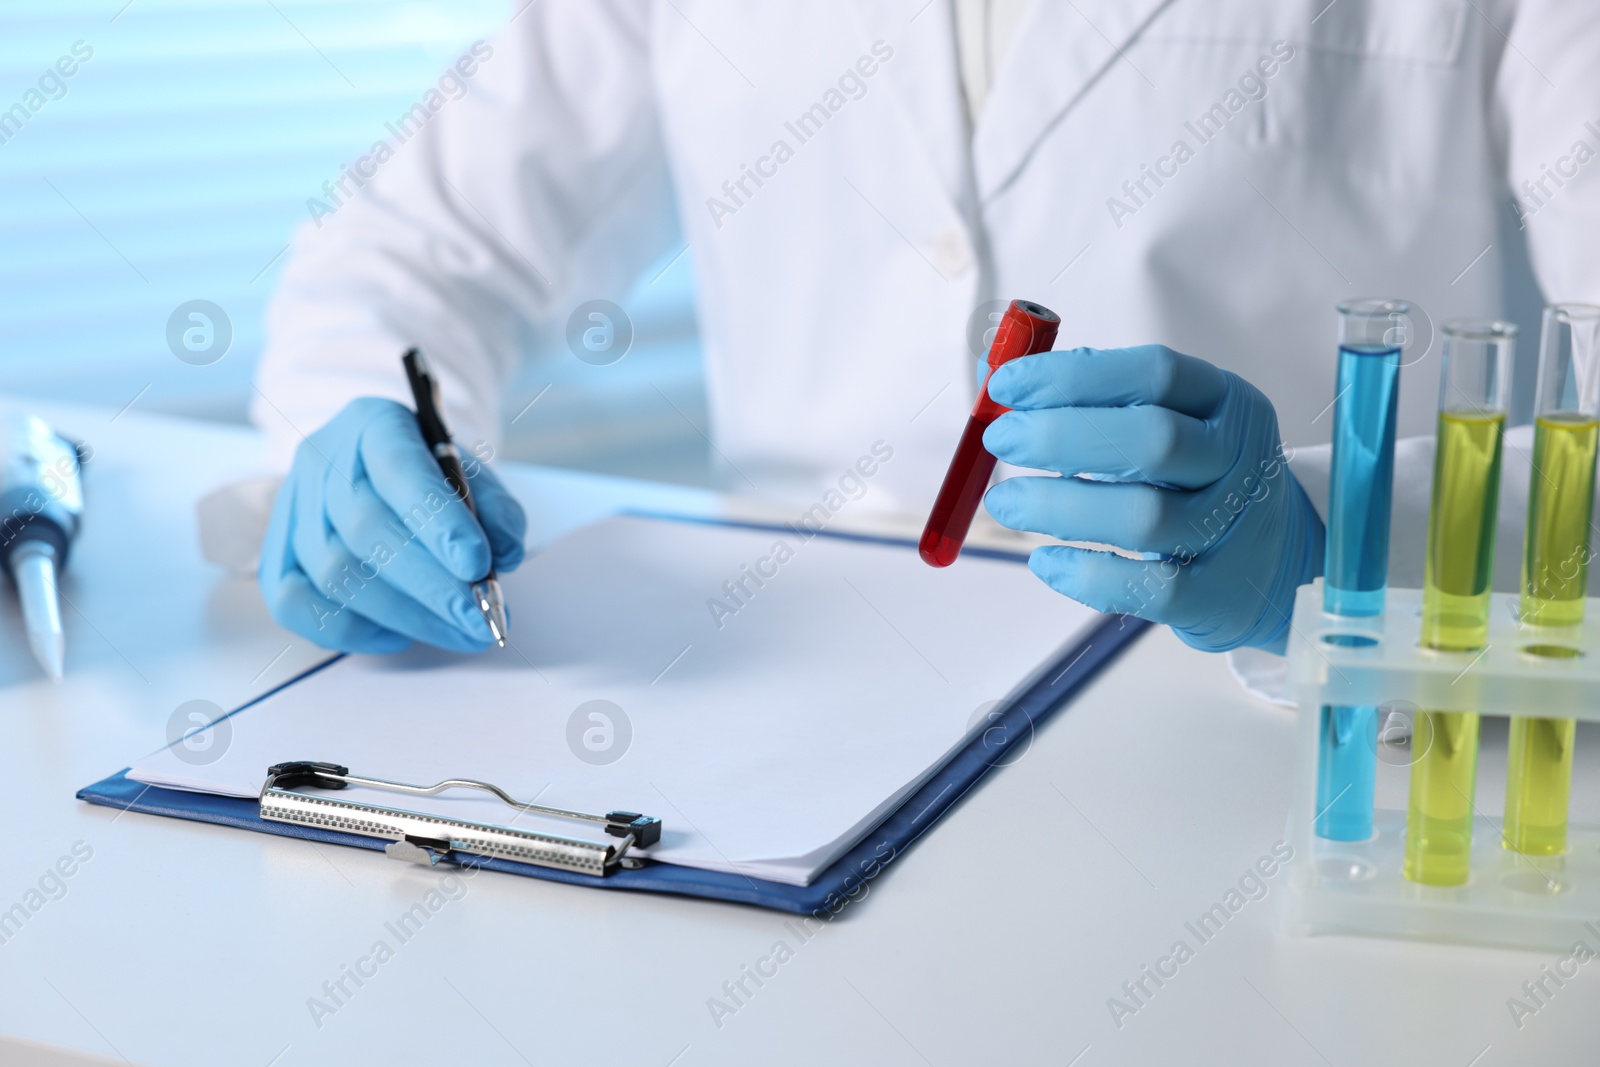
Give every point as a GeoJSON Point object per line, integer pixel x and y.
{"type": "Point", "coordinates": [425, 392]}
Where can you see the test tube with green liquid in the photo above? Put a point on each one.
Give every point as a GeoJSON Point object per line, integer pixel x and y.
{"type": "Point", "coordinates": [1555, 563]}
{"type": "Point", "coordinates": [1473, 388]}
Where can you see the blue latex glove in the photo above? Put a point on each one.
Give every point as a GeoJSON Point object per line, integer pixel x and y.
{"type": "Point", "coordinates": [1189, 471]}
{"type": "Point", "coordinates": [368, 549]}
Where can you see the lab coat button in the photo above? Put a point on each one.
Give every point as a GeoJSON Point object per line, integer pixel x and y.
{"type": "Point", "coordinates": [950, 253]}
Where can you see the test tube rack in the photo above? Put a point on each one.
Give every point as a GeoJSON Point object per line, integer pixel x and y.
{"type": "Point", "coordinates": [1509, 899]}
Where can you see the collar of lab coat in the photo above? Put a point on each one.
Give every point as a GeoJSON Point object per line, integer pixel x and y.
{"type": "Point", "coordinates": [1061, 48]}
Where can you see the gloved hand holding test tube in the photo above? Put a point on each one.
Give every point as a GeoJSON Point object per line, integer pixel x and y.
{"type": "Point", "coordinates": [1174, 461]}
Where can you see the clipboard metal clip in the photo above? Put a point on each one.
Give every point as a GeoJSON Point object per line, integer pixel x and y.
{"type": "Point", "coordinates": [426, 839]}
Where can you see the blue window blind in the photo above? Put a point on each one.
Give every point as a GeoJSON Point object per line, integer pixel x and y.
{"type": "Point", "coordinates": [159, 152]}
{"type": "Point", "coordinates": [173, 164]}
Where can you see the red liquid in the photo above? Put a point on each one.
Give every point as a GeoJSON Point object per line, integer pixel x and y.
{"type": "Point", "coordinates": [958, 498]}
{"type": "Point", "coordinates": [1025, 329]}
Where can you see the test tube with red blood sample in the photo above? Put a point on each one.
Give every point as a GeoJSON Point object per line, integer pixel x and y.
{"type": "Point", "coordinates": [1026, 328]}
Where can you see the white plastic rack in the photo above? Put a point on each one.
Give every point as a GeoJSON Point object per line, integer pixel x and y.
{"type": "Point", "coordinates": [1509, 899]}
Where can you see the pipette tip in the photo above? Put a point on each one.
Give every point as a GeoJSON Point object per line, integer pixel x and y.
{"type": "Point", "coordinates": [33, 566]}
{"type": "Point", "coordinates": [51, 656]}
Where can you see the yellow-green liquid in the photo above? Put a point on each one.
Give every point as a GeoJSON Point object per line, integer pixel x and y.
{"type": "Point", "coordinates": [1455, 617]}
{"type": "Point", "coordinates": [1555, 571]}
{"type": "Point", "coordinates": [1538, 784]}
{"type": "Point", "coordinates": [1461, 521]}
{"type": "Point", "coordinates": [1555, 558]}
{"type": "Point", "coordinates": [1439, 819]}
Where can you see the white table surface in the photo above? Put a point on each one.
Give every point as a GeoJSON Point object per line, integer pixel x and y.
{"type": "Point", "coordinates": [997, 939]}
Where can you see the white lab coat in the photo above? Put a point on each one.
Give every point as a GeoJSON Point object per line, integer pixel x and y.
{"type": "Point", "coordinates": [1362, 147]}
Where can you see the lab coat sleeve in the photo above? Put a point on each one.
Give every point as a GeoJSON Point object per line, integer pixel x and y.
{"type": "Point", "coordinates": [473, 219]}
{"type": "Point", "coordinates": [1545, 117]}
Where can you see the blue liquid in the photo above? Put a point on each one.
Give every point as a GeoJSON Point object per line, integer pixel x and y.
{"type": "Point", "coordinates": [1361, 482]}
{"type": "Point", "coordinates": [1347, 763]}
{"type": "Point", "coordinates": [1356, 570]}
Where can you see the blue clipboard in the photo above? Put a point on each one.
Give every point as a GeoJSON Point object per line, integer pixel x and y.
{"type": "Point", "coordinates": [830, 891]}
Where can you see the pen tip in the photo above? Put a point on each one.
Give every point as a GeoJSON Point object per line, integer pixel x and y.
{"type": "Point", "coordinates": [492, 603]}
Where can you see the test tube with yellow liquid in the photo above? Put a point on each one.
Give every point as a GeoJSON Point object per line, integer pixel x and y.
{"type": "Point", "coordinates": [1473, 389]}
{"type": "Point", "coordinates": [1555, 563]}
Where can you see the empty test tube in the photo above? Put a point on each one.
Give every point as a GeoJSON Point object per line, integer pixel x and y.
{"type": "Point", "coordinates": [1356, 568]}
{"type": "Point", "coordinates": [1555, 562]}
{"type": "Point", "coordinates": [1474, 384]}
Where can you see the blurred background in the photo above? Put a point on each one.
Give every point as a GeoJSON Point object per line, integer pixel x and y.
{"type": "Point", "coordinates": [174, 164]}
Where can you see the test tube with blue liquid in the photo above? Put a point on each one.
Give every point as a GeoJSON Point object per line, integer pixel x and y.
{"type": "Point", "coordinates": [1356, 570]}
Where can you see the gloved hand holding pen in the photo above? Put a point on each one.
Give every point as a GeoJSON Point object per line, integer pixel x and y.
{"type": "Point", "coordinates": [1189, 471]}
{"type": "Point", "coordinates": [368, 549]}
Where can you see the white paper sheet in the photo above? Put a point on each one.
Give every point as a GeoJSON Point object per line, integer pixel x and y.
{"type": "Point", "coordinates": [769, 733]}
